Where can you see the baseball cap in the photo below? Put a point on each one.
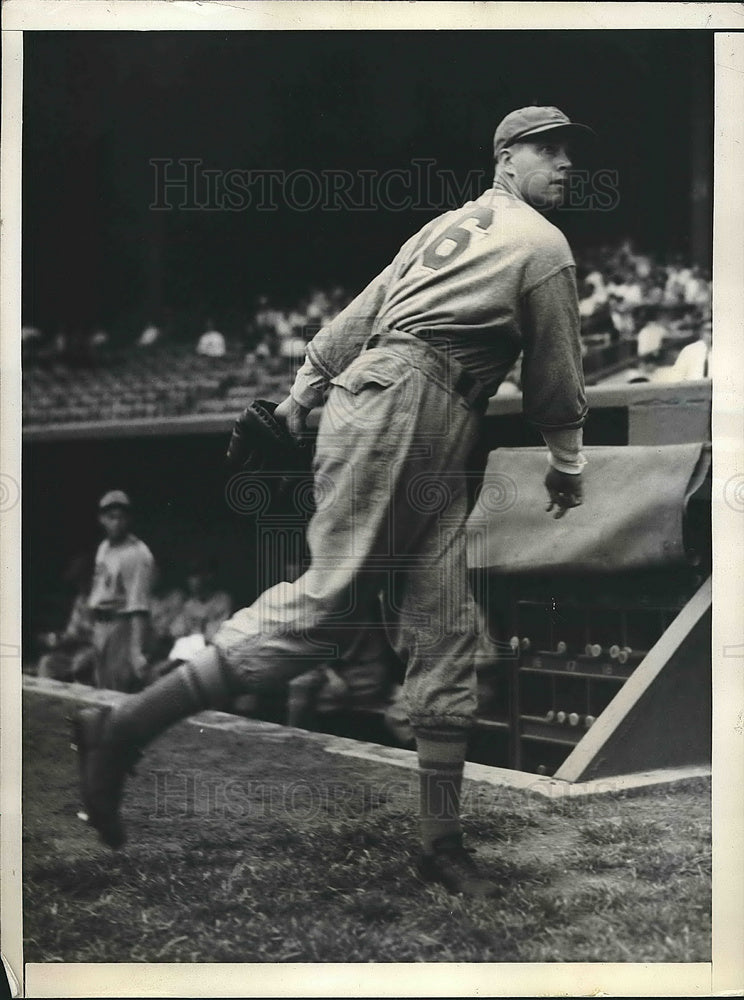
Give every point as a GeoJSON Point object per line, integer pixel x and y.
{"type": "Point", "coordinates": [114, 498]}
{"type": "Point", "coordinates": [530, 121]}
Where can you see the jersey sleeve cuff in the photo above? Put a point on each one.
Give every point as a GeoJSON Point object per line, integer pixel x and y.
{"type": "Point", "coordinates": [573, 468]}
{"type": "Point", "coordinates": [309, 386]}
{"type": "Point", "coordinates": [565, 450]}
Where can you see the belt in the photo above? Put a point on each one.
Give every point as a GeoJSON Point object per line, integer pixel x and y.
{"type": "Point", "coordinates": [465, 385]}
{"type": "Point", "coordinates": [104, 614]}
{"type": "Point", "coordinates": [472, 391]}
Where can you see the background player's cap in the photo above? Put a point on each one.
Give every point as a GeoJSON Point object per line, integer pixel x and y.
{"type": "Point", "coordinates": [114, 498]}
{"type": "Point", "coordinates": [525, 122]}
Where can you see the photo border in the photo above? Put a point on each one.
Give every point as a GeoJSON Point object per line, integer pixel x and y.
{"type": "Point", "coordinates": [726, 972]}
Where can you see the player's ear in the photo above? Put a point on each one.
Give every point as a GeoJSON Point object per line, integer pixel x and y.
{"type": "Point", "coordinates": [504, 163]}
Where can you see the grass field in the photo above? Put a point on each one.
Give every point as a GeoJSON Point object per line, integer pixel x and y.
{"type": "Point", "coordinates": [271, 849]}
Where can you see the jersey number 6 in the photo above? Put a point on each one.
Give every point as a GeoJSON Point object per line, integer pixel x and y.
{"type": "Point", "coordinates": [456, 238]}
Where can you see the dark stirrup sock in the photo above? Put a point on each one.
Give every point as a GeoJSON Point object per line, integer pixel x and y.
{"type": "Point", "coordinates": [441, 756]}
{"type": "Point", "coordinates": [200, 684]}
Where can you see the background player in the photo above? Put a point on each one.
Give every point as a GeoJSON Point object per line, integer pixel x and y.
{"type": "Point", "coordinates": [411, 364]}
{"type": "Point", "coordinates": [120, 598]}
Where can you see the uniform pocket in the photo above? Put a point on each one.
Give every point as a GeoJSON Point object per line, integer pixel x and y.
{"type": "Point", "coordinates": [373, 370]}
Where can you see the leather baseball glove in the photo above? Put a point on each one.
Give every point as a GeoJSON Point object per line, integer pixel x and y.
{"type": "Point", "coordinates": [262, 453]}
{"type": "Point", "coordinates": [261, 443]}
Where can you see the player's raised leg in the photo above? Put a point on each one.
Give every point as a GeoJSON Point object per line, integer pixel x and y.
{"type": "Point", "coordinates": [364, 441]}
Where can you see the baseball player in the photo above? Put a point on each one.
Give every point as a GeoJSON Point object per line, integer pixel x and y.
{"type": "Point", "coordinates": [408, 367]}
{"type": "Point", "coordinates": [119, 598]}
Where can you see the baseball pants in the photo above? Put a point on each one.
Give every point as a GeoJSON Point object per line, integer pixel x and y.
{"type": "Point", "coordinates": [112, 640]}
{"type": "Point", "coordinates": [390, 471]}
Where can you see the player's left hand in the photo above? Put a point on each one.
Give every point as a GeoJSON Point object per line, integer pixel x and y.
{"type": "Point", "coordinates": [294, 416]}
{"type": "Point", "coordinates": [565, 491]}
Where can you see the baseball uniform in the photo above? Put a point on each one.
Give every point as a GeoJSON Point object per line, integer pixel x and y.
{"type": "Point", "coordinates": [122, 585]}
{"type": "Point", "coordinates": [408, 367]}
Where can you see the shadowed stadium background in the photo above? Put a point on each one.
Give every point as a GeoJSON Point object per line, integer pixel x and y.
{"type": "Point", "coordinates": [100, 106]}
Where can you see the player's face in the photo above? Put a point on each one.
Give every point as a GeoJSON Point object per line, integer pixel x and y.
{"type": "Point", "coordinates": [115, 522]}
{"type": "Point", "coordinates": [541, 171]}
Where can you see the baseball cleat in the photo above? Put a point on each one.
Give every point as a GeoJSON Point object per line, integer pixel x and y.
{"type": "Point", "coordinates": [452, 865]}
{"type": "Point", "coordinates": [104, 766]}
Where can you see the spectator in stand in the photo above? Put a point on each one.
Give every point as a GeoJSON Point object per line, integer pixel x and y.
{"type": "Point", "coordinates": [71, 655]}
{"type": "Point", "coordinates": [265, 327]}
{"type": "Point", "coordinates": [632, 294]}
{"type": "Point", "coordinates": [297, 318]}
{"type": "Point", "coordinates": [697, 288]}
{"type": "Point", "coordinates": [96, 347]}
{"type": "Point", "coordinates": [318, 308]}
{"type": "Point", "coordinates": [149, 336]}
{"type": "Point", "coordinates": [594, 310]}
{"type": "Point", "coordinates": [677, 277]}
{"type": "Point", "coordinates": [282, 331]}
{"type": "Point", "coordinates": [679, 297]}
{"type": "Point", "coordinates": [282, 334]}
{"type": "Point", "coordinates": [652, 292]}
{"type": "Point", "coordinates": [693, 361]}
{"type": "Point", "coordinates": [687, 322]}
{"type": "Point", "coordinates": [643, 266]}
{"type": "Point", "coordinates": [616, 286]}
{"type": "Point", "coordinates": [211, 343]}
{"type": "Point", "coordinates": [595, 279]}
{"type": "Point", "coordinates": [625, 287]}
{"type": "Point", "coordinates": [587, 300]}
{"type": "Point", "coordinates": [31, 342]}
{"type": "Point", "coordinates": [264, 349]}
{"type": "Point", "coordinates": [253, 331]}
{"type": "Point", "coordinates": [651, 334]}
{"type": "Point", "coordinates": [621, 317]}
{"type": "Point", "coordinates": [120, 598]}
{"type": "Point", "coordinates": [98, 339]}
{"type": "Point", "coordinates": [292, 348]}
